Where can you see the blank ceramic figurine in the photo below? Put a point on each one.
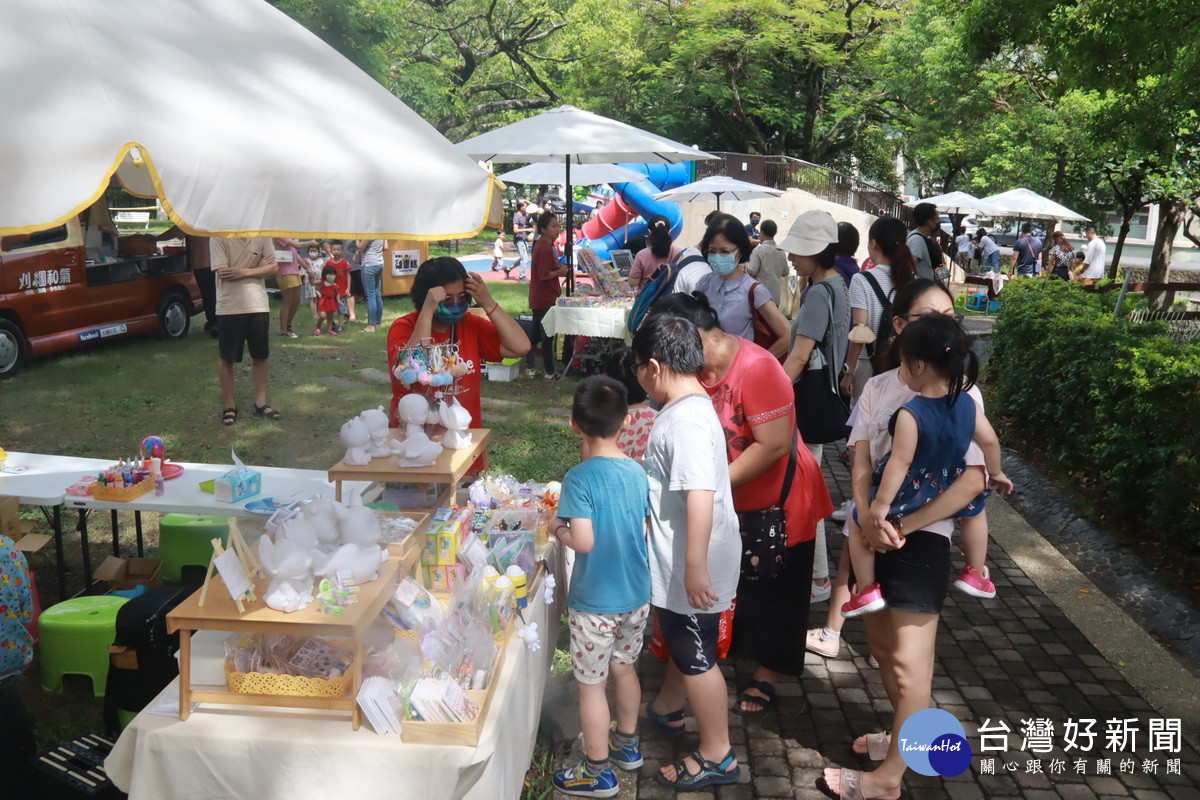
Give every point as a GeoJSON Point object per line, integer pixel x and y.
{"type": "Point", "coordinates": [456, 419]}
{"type": "Point", "coordinates": [376, 420]}
{"type": "Point", "coordinates": [413, 409]}
{"type": "Point", "coordinates": [360, 526]}
{"type": "Point", "coordinates": [356, 437]}
{"type": "Point", "coordinates": [290, 568]}
{"type": "Point", "coordinates": [352, 562]}
{"type": "Point", "coordinates": [323, 514]}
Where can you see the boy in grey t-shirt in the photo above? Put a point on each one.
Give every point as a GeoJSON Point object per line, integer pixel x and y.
{"type": "Point", "coordinates": [695, 546]}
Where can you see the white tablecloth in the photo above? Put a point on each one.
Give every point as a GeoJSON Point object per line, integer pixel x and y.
{"type": "Point", "coordinates": [608, 323]}
{"type": "Point", "coordinates": [224, 752]}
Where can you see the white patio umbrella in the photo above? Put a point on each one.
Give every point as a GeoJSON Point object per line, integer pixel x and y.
{"type": "Point", "coordinates": [570, 135]}
{"type": "Point", "coordinates": [1031, 205]}
{"type": "Point", "coordinates": [581, 174]}
{"type": "Point", "coordinates": [959, 203]}
{"type": "Point", "coordinates": [219, 108]}
{"type": "Point", "coordinates": [716, 187]}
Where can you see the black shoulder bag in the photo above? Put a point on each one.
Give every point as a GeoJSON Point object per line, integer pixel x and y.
{"type": "Point", "coordinates": [764, 532]}
{"type": "Point", "coordinates": [821, 408]}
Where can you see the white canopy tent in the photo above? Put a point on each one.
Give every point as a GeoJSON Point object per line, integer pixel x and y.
{"type": "Point", "coordinates": [237, 118]}
{"type": "Point", "coordinates": [716, 187]}
{"type": "Point", "coordinates": [959, 203]}
{"type": "Point", "coordinates": [1028, 204]}
{"type": "Point", "coordinates": [582, 174]}
{"type": "Point", "coordinates": [570, 135]}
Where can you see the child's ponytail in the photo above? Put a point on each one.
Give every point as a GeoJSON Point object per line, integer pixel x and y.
{"type": "Point", "coordinates": [940, 342]}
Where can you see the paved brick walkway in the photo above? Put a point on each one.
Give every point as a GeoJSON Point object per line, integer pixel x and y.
{"type": "Point", "coordinates": [1015, 658]}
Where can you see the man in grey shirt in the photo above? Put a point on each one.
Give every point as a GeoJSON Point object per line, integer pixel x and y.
{"type": "Point", "coordinates": [768, 263]}
{"type": "Point", "coordinates": [920, 241]}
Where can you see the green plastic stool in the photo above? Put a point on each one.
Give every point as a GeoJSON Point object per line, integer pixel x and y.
{"type": "Point", "coordinates": [75, 637]}
{"type": "Point", "coordinates": [186, 540]}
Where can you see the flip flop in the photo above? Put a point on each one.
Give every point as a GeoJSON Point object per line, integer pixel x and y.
{"type": "Point", "coordinates": [710, 774]}
{"type": "Point", "coordinates": [767, 703]}
{"type": "Point", "coordinates": [877, 745]}
{"type": "Point", "coordinates": [266, 411]}
{"type": "Point", "coordinates": [229, 417]}
{"type": "Point", "coordinates": [850, 787]}
{"type": "Point", "coordinates": [659, 721]}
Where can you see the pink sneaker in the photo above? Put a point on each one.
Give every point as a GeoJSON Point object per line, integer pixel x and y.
{"type": "Point", "coordinates": [317, 331]}
{"type": "Point", "coordinates": [973, 583]}
{"type": "Point", "coordinates": [868, 601]}
{"type": "Point", "coordinates": [333, 332]}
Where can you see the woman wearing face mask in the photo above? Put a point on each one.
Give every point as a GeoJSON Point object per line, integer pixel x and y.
{"type": "Point", "coordinates": [730, 290]}
{"type": "Point", "coordinates": [442, 292]}
{"type": "Point", "coordinates": [544, 288]}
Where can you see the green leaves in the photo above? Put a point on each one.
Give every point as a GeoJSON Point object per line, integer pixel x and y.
{"type": "Point", "coordinates": [1109, 400]}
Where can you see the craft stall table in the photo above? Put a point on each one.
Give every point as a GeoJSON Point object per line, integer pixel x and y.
{"type": "Point", "coordinates": [219, 613]}
{"type": "Point", "coordinates": [45, 481]}
{"type": "Point", "coordinates": [224, 751]}
{"type": "Point", "coordinates": [597, 322]}
{"type": "Point", "coordinates": [448, 470]}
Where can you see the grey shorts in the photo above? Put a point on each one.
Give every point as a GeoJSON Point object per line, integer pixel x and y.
{"type": "Point", "coordinates": [598, 639]}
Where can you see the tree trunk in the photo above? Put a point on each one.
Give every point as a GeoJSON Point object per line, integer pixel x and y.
{"type": "Point", "coordinates": [1127, 212]}
{"type": "Point", "coordinates": [1170, 216]}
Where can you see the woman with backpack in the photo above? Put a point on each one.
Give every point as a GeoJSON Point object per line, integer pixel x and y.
{"type": "Point", "coordinates": [871, 293]}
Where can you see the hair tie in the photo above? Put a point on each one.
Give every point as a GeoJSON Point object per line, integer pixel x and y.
{"type": "Point", "coordinates": [947, 349]}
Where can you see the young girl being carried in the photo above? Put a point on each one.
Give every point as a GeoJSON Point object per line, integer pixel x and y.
{"type": "Point", "coordinates": [930, 437]}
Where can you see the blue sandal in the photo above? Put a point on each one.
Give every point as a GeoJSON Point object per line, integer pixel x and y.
{"type": "Point", "coordinates": [710, 774]}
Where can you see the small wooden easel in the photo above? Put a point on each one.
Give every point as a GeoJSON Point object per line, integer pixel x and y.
{"type": "Point", "coordinates": [237, 571]}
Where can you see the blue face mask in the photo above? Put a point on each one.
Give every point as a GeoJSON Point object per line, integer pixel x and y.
{"type": "Point", "coordinates": [722, 263]}
{"type": "Point", "coordinates": [450, 313]}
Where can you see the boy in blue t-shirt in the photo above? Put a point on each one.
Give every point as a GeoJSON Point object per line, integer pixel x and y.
{"type": "Point", "coordinates": [602, 517]}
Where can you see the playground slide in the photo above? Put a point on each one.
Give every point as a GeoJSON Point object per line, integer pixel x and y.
{"type": "Point", "coordinates": [618, 221]}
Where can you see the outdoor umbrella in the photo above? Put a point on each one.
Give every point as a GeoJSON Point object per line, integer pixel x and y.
{"type": "Point", "coordinates": [572, 136]}
{"type": "Point", "coordinates": [716, 187]}
{"type": "Point", "coordinates": [582, 174]}
{"type": "Point", "coordinates": [959, 203]}
{"type": "Point", "coordinates": [239, 119]}
{"type": "Point", "coordinates": [1031, 205]}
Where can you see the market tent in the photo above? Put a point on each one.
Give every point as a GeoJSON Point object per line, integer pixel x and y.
{"type": "Point", "coordinates": [959, 203]}
{"type": "Point", "coordinates": [1028, 204]}
{"type": "Point", "coordinates": [716, 187]}
{"type": "Point", "coordinates": [553, 172]}
{"type": "Point", "coordinates": [240, 120]}
{"type": "Point", "coordinates": [573, 136]}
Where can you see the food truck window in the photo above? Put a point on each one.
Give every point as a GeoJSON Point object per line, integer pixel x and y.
{"type": "Point", "coordinates": [20, 241]}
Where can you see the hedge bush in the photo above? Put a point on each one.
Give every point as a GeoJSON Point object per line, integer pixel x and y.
{"type": "Point", "coordinates": [1115, 403]}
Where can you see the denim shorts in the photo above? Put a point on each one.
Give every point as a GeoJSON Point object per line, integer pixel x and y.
{"type": "Point", "coordinates": [916, 577]}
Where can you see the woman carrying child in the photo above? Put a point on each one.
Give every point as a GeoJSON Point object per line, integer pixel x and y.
{"type": "Point", "coordinates": [912, 546]}
{"type": "Point", "coordinates": [753, 398]}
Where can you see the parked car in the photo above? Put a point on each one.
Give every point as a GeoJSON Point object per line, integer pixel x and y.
{"type": "Point", "coordinates": [57, 295]}
{"type": "Point", "coordinates": [968, 222]}
{"type": "Point", "coordinates": [1008, 238]}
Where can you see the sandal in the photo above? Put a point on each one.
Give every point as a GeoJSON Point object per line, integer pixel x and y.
{"type": "Point", "coordinates": [266, 411]}
{"type": "Point", "coordinates": [661, 721]}
{"type": "Point", "coordinates": [710, 774]}
{"type": "Point", "coordinates": [229, 417]}
{"type": "Point", "coordinates": [876, 745]}
{"type": "Point", "coordinates": [767, 702]}
{"type": "Point", "coordinates": [850, 786]}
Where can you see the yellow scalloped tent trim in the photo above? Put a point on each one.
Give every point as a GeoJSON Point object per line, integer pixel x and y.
{"type": "Point", "coordinates": [494, 189]}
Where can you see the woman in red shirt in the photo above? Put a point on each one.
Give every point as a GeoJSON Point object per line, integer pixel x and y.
{"type": "Point", "coordinates": [442, 292]}
{"type": "Point", "coordinates": [753, 398]}
{"type": "Point", "coordinates": [544, 288]}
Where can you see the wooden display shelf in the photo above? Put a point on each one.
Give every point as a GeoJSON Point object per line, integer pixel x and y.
{"type": "Point", "coordinates": [220, 614]}
{"type": "Point", "coordinates": [449, 468]}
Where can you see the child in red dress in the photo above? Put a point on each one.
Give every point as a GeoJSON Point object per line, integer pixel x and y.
{"type": "Point", "coordinates": [327, 304]}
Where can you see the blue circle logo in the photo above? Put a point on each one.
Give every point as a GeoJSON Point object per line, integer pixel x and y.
{"type": "Point", "coordinates": [933, 742]}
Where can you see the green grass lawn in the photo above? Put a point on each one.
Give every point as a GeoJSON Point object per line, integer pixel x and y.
{"type": "Point", "coordinates": [100, 402]}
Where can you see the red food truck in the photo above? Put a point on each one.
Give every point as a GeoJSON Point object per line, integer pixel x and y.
{"type": "Point", "coordinates": [79, 283]}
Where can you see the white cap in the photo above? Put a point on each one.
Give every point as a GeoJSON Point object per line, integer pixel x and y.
{"type": "Point", "coordinates": [811, 233]}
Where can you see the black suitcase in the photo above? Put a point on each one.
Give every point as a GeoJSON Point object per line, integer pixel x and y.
{"type": "Point", "coordinates": [143, 653]}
